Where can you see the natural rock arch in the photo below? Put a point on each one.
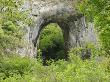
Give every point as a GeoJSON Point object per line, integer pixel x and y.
{"type": "Point", "coordinates": [75, 29]}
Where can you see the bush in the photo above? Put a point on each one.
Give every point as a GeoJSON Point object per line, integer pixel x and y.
{"type": "Point", "coordinates": [50, 37]}
{"type": "Point", "coordinates": [17, 69]}
{"type": "Point", "coordinates": [15, 65]}
{"type": "Point", "coordinates": [51, 42]}
{"type": "Point", "coordinates": [98, 12]}
{"type": "Point", "coordinates": [12, 23]}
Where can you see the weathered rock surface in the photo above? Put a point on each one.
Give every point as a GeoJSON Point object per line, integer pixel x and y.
{"type": "Point", "coordinates": [74, 27]}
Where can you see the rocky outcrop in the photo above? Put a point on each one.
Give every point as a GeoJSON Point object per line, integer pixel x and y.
{"type": "Point", "coordinates": [74, 27]}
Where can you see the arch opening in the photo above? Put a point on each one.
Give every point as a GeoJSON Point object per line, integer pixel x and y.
{"type": "Point", "coordinates": [51, 43]}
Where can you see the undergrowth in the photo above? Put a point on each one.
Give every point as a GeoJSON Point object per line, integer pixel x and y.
{"type": "Point", "coordinates": [17, 69]}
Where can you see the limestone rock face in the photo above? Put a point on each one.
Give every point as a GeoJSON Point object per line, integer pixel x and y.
{"type": "Point", "coordinates": [74, 27]}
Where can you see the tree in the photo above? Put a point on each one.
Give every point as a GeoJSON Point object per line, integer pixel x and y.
{"type": "Point", "coordinates": [98, 11]}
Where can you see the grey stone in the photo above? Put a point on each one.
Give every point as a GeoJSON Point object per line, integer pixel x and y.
{"type": "Point", "coordinates": [74, 27]}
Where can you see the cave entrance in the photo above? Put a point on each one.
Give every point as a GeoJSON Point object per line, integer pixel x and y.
{"type": "Point", "coordinates": [51, 43]}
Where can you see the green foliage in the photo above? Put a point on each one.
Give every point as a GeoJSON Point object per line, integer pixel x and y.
{"type": "Point", "coordinates": [51, 42]}
{"type": "Point", "coordinates": [97, 69]}
{"type": "Point", "coordinates": [98, 11]}
{"type": "Point", "coordinates": [10, 66]}
{"type": "Point", "coordinates": [16, 69]}
{"type": "Point", "coordinates": [51, 37]}
{"type": "Point", "coordinates": [12, 21]}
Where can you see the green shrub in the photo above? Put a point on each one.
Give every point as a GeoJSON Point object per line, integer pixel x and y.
{"type": "Point", "coordinates": [12, 23]}
{"type": "Point", "coordinates": [51, 42]}
{"type": "Point", "coordinates": [51, 36]}
{"type": "Point", "coordinates": [17, 69]}
{"type": "Point", "coordinates": [98, 12]}
{"type": "Point", "coordinates": [10, 66]}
